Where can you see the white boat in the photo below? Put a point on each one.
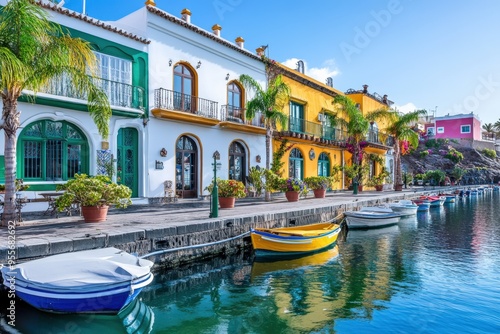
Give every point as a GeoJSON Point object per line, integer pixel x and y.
{"type": "Point", "coordinates": [404, 207]}
{"type": "Point", "coordinates": [423, 205]}
{"type": "Point", "coordinates": [370, 217]}
{"type": "Point", "coordinates": [94, 281]}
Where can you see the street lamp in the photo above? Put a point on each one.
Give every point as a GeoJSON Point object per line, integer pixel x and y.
{"type": "Point", "coordinates": [214, 209]}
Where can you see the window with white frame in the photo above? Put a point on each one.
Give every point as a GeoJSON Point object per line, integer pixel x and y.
{"type": "Point", "coordinates": [465, 129]}
{"type": "Point", "coordinates": [117, 78]}
{"type": "Point", "coordinates": [440, 129]}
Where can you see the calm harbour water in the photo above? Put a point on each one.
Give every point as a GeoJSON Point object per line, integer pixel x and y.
{"type": "Point", "coordinates": [438, 272]}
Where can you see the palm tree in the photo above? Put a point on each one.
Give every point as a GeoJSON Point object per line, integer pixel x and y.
{"type": "Point", "coordinates": [33, 51]}
{"type": "Point", "coordinates": [401, 129]}
{"type": "Point", "coordinates": [356, 125]}
{"type": "Point", "coordinates": [490, 129]}
{"type": "Point", "coordinates": [270, 103]}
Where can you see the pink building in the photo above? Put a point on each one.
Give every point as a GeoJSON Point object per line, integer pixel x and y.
{"type": "Point", "coordinates": [461, 126]}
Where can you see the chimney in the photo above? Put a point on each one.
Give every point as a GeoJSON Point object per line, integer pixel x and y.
{"type": "Point", "coordinates": [365, 89]}
{"type": "Point", "coordinates": [260, 51]}
{"type": "Point", "coordinates": [150, 3]}
{"type": "Point", "coordinates": [240, 42]}
{"type": "Point", "coordinates": [216, 29]}
{"type": "Point", "coordinates": [384, 98]}
{"type": "Point", "coordinates": [186, 15]}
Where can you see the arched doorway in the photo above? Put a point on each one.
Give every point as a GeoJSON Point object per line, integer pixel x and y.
{"type": "Point", "coordinates": [296, 164]}
{"type": "Point", "coordinates": [237, 162]}
{"type": "Point", "coordinates": [126, 159]}
{"type": "Point", "coordinates": [323, 165]}
{"type": "Point", "coordinates": [186, 157]}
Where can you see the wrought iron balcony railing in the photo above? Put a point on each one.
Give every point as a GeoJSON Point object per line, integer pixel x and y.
{"type": "Point", "coordinates": [322, 131]}
{"type": "Point", "coordinates": [168, 99]}
{"type": "Point", "coordinates": [380, 138]}
{"type": "Point", "coordinates": [119, 94]}
{"type": "Point", "coordinates": [236, 114]}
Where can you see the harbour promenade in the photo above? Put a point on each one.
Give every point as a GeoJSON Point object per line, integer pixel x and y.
{"type": "Point", "coordinates": [147, 228]}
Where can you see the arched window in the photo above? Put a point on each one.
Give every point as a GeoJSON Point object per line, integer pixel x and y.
{"type": "Point", "coordinates": [183, 89]}
{"type": "Point", "coordinates": [296, 164]}
{"type": "Point", "coordinates": [52, 151]}
{"type": "Point", "coordinates": [237, 162]}
{"type": "Point", "coordinates": [186, 156]}
{"type": "Point", "coordinates": [323, 165]}
{"type": "Point", "coordinates": [234, 98]}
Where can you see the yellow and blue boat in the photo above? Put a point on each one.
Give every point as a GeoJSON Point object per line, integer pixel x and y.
{"type": "Point", "coordinates": [293, 241]}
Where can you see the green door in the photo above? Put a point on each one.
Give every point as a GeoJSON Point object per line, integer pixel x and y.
{"type": "Point", "coordinates": [126, 160]}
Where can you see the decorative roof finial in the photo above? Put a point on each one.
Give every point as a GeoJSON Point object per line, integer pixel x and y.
{"type": "Point", "coordinates": [150, 3]}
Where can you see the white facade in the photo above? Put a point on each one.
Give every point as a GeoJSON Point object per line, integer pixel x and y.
{"type": "Point", "coordinates": [214, 62]}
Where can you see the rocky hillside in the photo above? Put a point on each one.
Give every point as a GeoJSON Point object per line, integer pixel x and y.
{"type": "Point", "coordinates": [479, 168]}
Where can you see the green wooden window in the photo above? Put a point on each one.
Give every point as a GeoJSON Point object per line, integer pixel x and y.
{"type": "Point", "coordinates": [296, 164]}
{"type": "Point", "coordinates": [296, 117]}
{"type": "Point", "coordinates": [323, 165]}
{"type": "Point", "coordinates": [52, 151]}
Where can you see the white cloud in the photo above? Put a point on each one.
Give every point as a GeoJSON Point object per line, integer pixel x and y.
{"type": "Point", "coordinates": [406, 108]}
{"type": "Point", "coordinates": [319, 73]}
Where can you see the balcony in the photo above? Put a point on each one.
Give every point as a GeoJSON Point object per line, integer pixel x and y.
{"type": "Point", "coordinates": [320, 131]}
{"type": "Point", "coordinates": [169, 100]}
{"type": "Point", "coordinates": [119, 94]}
{"type": "Point", "coordinates": [234, 114]}
{"type": "Point", "coordinates": [379, 138]}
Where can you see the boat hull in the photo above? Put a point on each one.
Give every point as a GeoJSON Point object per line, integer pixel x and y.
{"type": "Point", "coordinates": [104, 301]}
{"type": "Point", "coordinates": [293, 241]}
{"type": "Point", "coordinates": [364, 220]}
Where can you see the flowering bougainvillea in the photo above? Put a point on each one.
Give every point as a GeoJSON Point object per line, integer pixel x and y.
{"type": "Point", "coordinates": [404, 147]}
{"type": "Point", "coordinates": [454, 155]}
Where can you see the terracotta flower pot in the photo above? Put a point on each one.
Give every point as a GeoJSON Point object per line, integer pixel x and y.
{"type": "Point", "coordinates": [292, 196]}
{"type": "Point", "coordinates": [379, 187]}
{"type": "Point", "coordinates": [319, 193]}
{"type": "Point", "coordinates": [94, 214]}
{"type": "Point", "coordinates": [227, 202]}
{"type": "Point", "coordinates": [398, 187]}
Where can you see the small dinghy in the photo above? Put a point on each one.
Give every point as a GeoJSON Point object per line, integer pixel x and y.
{"type": "Point", "coordinates": [94, 281]}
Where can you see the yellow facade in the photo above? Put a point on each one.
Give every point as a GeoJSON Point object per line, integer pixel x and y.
{"type": "Point", "coordinates": [315, 98]}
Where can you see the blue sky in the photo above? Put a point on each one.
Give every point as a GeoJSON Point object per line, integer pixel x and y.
{"type": "Point", "coordinates": [423, 54]}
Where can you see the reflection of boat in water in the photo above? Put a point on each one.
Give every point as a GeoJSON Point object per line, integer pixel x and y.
{"type": "Point", "coordinates": [363, 235]}
{"type": "Point", "coordinates": [260, 267]}
{"type": "Point", "coordinates": [136, 317]}
{"type": "Point", "coordinates": [293, 241]}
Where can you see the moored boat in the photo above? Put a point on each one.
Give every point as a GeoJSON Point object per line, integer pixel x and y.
{"type": "Point", "coordinates": [404, 207]}
{"type": "Point", "coordinates": [435, 201]}
{"type": "Point", "coordinates": [423, 205]}
{"type": "Point", "coordinates": [94, 281]}
{"type": "Point", "coordinates": [293, 241]}
{"type": "Point", "coordinates": [366, 218]}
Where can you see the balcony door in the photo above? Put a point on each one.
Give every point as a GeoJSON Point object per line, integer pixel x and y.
{"type": "Point", "coordinates": [186, 160]}
{"type": "Point", "coordinates": [183, 89]}
{"type": "Point", "coordinates": [296, 117]}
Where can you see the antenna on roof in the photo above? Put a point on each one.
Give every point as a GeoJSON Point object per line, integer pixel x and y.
{"type": "Point", "coordinates": [83, 10]}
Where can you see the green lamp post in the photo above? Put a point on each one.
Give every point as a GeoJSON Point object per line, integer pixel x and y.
{"type": "Point", "coordinates": [214, 210]}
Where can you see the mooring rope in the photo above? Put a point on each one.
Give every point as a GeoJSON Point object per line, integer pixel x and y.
{"type": "Point", "coordinates": [163, 251]}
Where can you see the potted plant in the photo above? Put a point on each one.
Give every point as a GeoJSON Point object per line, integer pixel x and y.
{"type": "Point", "coordinates": [378, 181]}
{"type": "Point", "coordinates": [356, 173]}
{"type": "Point", "coordinates": [319, 184]}
{"type": "Point", "coordinates": [293, 188]}
{"type": "Point", "coordinates": [94, 195]}
{"type": "Point", "coordinates": [228, 191]}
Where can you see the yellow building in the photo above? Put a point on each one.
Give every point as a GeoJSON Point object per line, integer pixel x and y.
{"type": "Point", "coordinates": [313, 145]}
{"type": "Point", "coordinates": [379, 145]}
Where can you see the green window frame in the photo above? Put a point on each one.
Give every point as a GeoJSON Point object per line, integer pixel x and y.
{"type": "Point", "coordinates": [52, 151]}
{"type": "Point", "coordinates": [296, 117]}
{"type": "Point", "coordinates": [323, 165]}
{"type": "Point", "coordinates": [296, 164]}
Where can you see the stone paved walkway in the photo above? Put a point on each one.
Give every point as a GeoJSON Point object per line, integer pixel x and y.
{"type": "Point", "coordinates": [38, 235]}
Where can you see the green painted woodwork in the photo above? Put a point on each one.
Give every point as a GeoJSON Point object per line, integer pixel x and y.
{"type": "Point", "coordinates": [126, 160]}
